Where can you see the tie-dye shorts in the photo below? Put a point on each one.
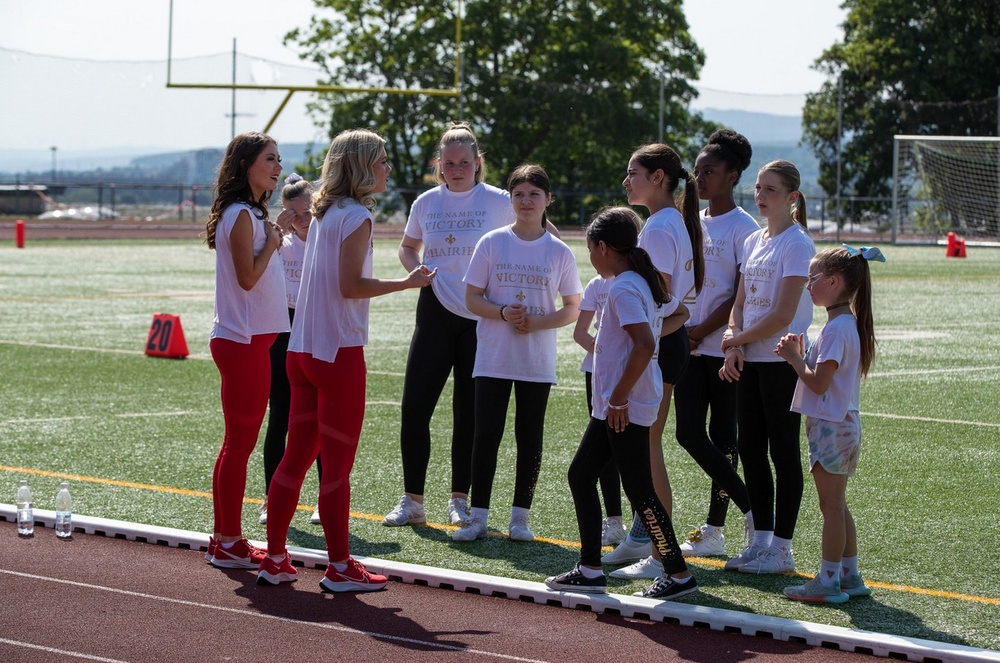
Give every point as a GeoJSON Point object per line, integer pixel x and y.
{"type": "Point", "coordinates": [836, 445]}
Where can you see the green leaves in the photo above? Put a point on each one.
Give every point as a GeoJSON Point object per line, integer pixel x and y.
{"type": "Point", "coordinates": [915, 67]}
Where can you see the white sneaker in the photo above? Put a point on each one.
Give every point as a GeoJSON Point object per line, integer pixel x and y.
{"type": "Point", "coordinates": [627, 552]}
{"type": "Point", "coordinates": [748, 554]}
{"type": "Point", "coordinates": [774, 560]}
{"type": "Point", "coordinates": [407, 512]}
{"type": "Point", "coordinates": [263, 513]}
{"type": "Point", "coordinates": [518, 529]}
{"type": "Point", "coordinates": [476, 529]}
{"type": "Point", "coordinates": [458, 511]}
{"type": "Point", "coordinates": [314, 518]}
{"type": "Point", "coordinates": [649, 568]}
{"type": "Point", "coordinates": [612, 532]}
{"type": "Point", "coordinates": [705, 541]}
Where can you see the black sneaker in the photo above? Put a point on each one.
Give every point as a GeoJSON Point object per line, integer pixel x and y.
{"type": "Point", "coordinates": [575, 581]}
{"type": "Point", "coordinates": [667, 589]}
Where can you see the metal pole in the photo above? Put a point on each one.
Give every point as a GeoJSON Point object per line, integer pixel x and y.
{"type": "Point", "coordinates": [661, 106]}
{"type": "Point", "coordinates": [840, 133]}
{"type": "Point", "coordinates": [232, 123]}
{"type": "Point", "coordinates": [896, 212]}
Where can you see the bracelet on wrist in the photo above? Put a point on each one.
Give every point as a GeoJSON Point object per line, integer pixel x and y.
{"type": "Point", "coordinates": [624, 406]}
{"type": "Point", "coordinates": [502, 316]}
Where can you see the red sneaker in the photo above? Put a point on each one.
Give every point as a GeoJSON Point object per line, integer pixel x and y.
{"type": "Point", "coordinates": [241, 555]}
{"type": "Point", "coordinates": [213, 543]}
{"type": "Point", "coordinates": [355, 578]}
{"type": "Point", "coordinates": [273, 573]}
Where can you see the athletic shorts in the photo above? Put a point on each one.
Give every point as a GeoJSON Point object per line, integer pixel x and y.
{"type": "Point", "coordinates": [674, 355]}
{"type": "Point", "coordinates": [836, 445]}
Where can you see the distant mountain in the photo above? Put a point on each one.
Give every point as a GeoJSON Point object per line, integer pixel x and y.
{"type": "Point", "coordinates": [760, 128]}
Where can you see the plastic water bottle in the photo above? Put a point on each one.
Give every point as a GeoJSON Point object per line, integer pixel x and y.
{"type": "Point", "coordinates": [25, 517]}
{"type": "Point", "coordinates": [64, 512]}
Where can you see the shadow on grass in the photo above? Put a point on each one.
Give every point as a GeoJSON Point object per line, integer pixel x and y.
{"type": "Point", "coordinates": [534, 557]}
{"type": "Point", "coordinates": [313, 538]}
{"type": "Point", "coordinates": [865, 613]}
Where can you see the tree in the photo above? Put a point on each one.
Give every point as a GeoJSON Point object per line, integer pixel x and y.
{"type": "Point", "coordinates": [908, 67]}
{"type": "Point", "coordinates": [571, 85]}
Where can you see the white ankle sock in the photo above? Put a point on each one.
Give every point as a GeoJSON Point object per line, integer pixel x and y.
{"type": "Point", "coordinates": [590, 573]}
{"type": "Point", "coordinates": [829, 572]}
{"type": "Point", "coordinates": [480, 514]}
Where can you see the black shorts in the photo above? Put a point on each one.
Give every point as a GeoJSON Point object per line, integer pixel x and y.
{"type": "Point", "coordinates": [674, 354]}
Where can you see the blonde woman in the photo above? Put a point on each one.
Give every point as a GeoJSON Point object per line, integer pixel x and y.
{"type": "Point", "coordinates": [326, 363]}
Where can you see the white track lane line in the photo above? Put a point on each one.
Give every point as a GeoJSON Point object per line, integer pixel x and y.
{"type": "Point", "coordinates": [61, 652]}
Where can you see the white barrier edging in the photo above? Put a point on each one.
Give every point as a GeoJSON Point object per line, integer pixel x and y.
{"type": "Point", "coordinates": [717, 619]}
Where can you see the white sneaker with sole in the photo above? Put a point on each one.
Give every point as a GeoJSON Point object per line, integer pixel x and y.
{"type": "Point", "coordinates": [407, 512]}
{"type": "Point", "coordinates": [774, 560]}
{"type": "Point", "coordinates": [314, 518]}
{"type": "Point", "coordinates": [518, 529]}
{"type": "Point", "coordinates": [627, 552]}
{"type": "Point", "coordinates": [649, 568]}
{"type": "Point", "coordinates": [476, 529]}
{"type": "Point", "coordinates": [705, 541]}
{"type": "Point", "coordinates": [612, 532]}
{"type": "Point", "coordinates": [458, 511]}
{"type": "Point", "coordinates": [748, 554]}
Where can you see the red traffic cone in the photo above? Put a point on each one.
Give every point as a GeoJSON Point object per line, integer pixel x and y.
{"type": "Point", "coordinates": [166, 337]}
{"type": "Point", "coordinates": [952, 249]}
{"type": "Point", "coordinates": [960, 249]}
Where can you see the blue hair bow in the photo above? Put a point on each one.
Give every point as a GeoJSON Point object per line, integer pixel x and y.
{"type": "Point", "coordinates": [866, 252]}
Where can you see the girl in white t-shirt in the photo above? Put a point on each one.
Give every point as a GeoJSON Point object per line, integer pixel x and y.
{"type": "Point", "coordinates": [770, 302]}
{"type": "Point", "coordinates": [514, 277]}
{"type": "Point", "coordinates": [628, 389]}
{"type": "Point", "coordinates": [296, 196]}
{"type": "Point", "coordinates": [670, 237]}
{"type": "Point", "coordinates": [828, 393]}
{"type": "Point", "coordinates": [249, 313]}
{"type": "Point", "coordinates": [595, 294]}
{"type": "Point", "coordinates": [446, 222]}
{"type": "Point", "coordinates": [326, 361]}
{"type": "Point", "coordinates": [711, 441]}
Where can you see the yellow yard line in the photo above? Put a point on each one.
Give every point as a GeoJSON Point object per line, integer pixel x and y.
{"type": "Point", "coordinates": [700, 561]}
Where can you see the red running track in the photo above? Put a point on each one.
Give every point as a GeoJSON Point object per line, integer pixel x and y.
{"type": "Point", "coordinates": [97, 598]}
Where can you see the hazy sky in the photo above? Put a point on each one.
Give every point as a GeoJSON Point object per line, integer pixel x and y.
{"type": "Point", "coordinates": [758, 57]}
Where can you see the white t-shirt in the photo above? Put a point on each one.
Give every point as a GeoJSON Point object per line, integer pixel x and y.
{"type": "Point", "coordinates": [667, 242]}
{"type": "Point", "coordinates": [449, 225]}
{"type": "Point", "coordinates": [325, 320]}
{"type": "Point", "coordinates": [724, 236]}
{"type": "Point", "coordinates": [595, 294]}
{"type": "Point", "coordinates": [292, 251]}
{"type": "Point", "coordinates": [837, 341]}
{"type": "Point", "coordinates": [767, 261]}
{"type": "Point", "coordinates": [629, 302]}
{"type": "Point", "coordinates": [532, 273]}
{"type": "Point", "coordinates": [241, 314]}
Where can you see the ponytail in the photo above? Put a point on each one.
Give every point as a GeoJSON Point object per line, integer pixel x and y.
{"type": "Point", "coordinates": [799, 211]}
{"type": "Point", "coordinates": [692, 221]}
{"type": "Point", "coordinates": [862, 307]}
{"type": "Point", "coordinates": [640, 263]}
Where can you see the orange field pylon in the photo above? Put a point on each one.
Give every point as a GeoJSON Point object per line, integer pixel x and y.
{"type": "Point", "coordinates": [166, 337]}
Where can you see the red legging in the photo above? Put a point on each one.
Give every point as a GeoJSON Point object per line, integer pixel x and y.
{"type": "Point", "coordinates": [325, 418]}
{"type": "Point", "coordinates": [246, 381]}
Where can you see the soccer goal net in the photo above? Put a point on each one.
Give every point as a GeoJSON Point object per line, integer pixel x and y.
{"type": "Point", "coordinates": [945, 184]}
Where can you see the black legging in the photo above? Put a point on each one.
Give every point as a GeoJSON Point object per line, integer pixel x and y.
{"type": "Point", "coordinates": [699, 389]}
{"type": "Point", "coordinates": [629, 450]}
{"type": "Point", "coordinates": [611, 485]}
{"type": "Point", "coordinates": [769, 433]}
{"type": "Point", "coordinates": [442, 343]}
{"type": "Point", "coordinates": [492, 400]}
{"type": "Point", "coordinates": [277, 416]}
